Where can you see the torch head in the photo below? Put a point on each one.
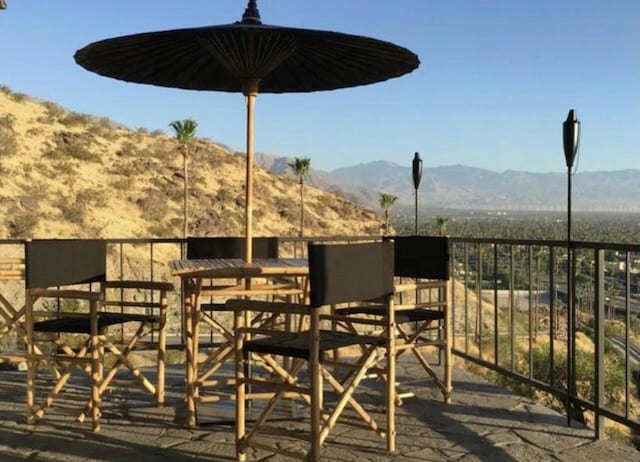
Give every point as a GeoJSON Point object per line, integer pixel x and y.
{"type": "Point", "coordinates": [570, 137]}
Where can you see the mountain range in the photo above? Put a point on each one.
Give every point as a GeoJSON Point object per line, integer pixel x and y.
{"type": "Point", "coordinates": [469, 188]}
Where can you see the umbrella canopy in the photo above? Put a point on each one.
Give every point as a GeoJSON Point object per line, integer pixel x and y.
{"type": "Point", "coordinates": [248, 57]}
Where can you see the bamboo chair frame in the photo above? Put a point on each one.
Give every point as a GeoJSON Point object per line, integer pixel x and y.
{"type": "Point", "coordinates": [12, 269]}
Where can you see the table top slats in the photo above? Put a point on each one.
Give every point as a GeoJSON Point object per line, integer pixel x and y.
{"type": "Point", "coordinates": [236, 267]}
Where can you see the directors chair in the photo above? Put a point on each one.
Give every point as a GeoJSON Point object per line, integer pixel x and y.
{"type": "Point", "coordinates": [422, 315]}
{"type": "Point", "coordinates": [73, 322]}
{"type": "Point", "coordinates": [338, 274]}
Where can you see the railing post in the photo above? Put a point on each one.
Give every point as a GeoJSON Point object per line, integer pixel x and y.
{"type": "Point", "coordinates": [465, 253]}
{"type": "Point", "coordinates": [627, 324]}
{"type": "Point", "coordinates": [512, 309]}
{"type": "Point", "coordinates": [478, 332]}
{"type": "Point", "coordinates": [599, 344]}
{"type": "Point", "coordinates": [531, 321]}
{"type": "Point", "coordinates": [571, 329]}
{"type": "Point", "coordinates": [496, 338]}
{"type": "Point", "coordinates": [552, 309]}
{"type": "Point", "coordinates": [452, 266]}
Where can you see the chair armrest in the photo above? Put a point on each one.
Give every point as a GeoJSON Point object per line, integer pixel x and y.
{"type": "Point", "coordinates": [75, 294]}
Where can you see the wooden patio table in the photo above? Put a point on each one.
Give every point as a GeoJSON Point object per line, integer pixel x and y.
{"type": "Point", "coordinates": [193, 272]}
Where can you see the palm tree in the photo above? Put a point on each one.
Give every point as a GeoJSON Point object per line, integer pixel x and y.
{"type": "Point", "coordinates": [300, 167]}
{"type": "Point", "coordinates": [442, 225]}
{"type": "Point", "coordinates": [185, 134]}
{"type": "Point", "coordinates": [386, 202]}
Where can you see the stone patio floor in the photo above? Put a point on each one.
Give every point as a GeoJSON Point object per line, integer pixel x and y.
{"type": "Point", "coordinates": [483, 423]}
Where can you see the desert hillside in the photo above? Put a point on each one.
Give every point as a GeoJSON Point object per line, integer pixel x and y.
{"type": "Point", "coordinates": [66, 174]}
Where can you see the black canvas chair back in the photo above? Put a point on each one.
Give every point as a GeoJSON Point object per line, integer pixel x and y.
{"type": "Point", "coordinates": [344, 273]}
{"type": "Point", "coordinates": [425, 257]}
{"type": "Point", "coordinates": [230, 247]}
{"type": "Point", "coordinates": [52, 262]}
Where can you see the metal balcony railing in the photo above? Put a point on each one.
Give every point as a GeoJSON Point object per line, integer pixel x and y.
{"type": "Point", "coordinates": [510, 316]}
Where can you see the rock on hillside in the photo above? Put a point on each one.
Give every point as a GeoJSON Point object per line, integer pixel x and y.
{"type": "Point", "coordinates": [75, 175]}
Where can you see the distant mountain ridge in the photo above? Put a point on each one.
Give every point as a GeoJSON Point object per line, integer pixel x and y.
{"type": "Point", "coordinates": [366, 197]}
{"type": "Point", "coordinates": [464, 187]}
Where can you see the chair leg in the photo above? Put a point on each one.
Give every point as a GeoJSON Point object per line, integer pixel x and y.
{"type": "Point", "coordinates": [31, 364]}
{"type": "Point", "coordinates": [121, 360]}
{"type": "Point", "coordinates": [346, 390]}
{"type": "Point", "coordinates": [316, 386]}
{"type": "Point", "coordinates": [391, 379]}
{"type": "Point", "coordinates": [448, 338]}
{"type": "Point", "coordinates": [96, 368]}
{"type": "Point", "coordinates": [162, 350]}
{"type": "Point", "coordinates": [190, 306]}
{"type": "Point", "coordinates": [238, 322]}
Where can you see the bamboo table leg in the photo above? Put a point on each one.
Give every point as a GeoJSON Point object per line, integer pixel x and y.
{"type": "Point", "coordinates": [189, 301]}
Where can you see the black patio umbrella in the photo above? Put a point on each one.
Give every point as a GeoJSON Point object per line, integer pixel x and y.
{"type": "Point", "coordinates": [248, 57]}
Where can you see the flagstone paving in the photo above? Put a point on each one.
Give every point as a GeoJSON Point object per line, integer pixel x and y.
{"type": "Point", "coordinates": [483, 423]}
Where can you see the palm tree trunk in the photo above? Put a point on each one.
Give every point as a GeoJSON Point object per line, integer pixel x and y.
{"type": "Point", "coordinates": [301, 207]}
{"type": "Point", "coordinates": [386, 222]}
{"type": "Point", "coordinates": [185, 228]}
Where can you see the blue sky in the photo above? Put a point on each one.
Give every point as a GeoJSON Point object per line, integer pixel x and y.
{"type": "Point", "coordinates": [496, 80]}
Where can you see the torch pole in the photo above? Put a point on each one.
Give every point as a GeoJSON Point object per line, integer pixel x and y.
{"type": "Point", "coordinates": [416, 212]}
{"type": "Point", "coordinates": [570, 307]}
{"type": "Point", "coordinates": [570, 141]}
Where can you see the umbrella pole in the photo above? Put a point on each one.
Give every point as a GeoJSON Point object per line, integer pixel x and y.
{"type": "Point", "coordinates": [251, 101]}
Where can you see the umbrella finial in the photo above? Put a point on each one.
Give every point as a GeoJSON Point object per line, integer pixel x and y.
{"type": "Point", "coordinates": [251, 14]}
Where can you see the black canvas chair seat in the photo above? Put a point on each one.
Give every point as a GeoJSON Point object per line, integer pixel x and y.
{"type": "Point", "coordinates": [120, 318]}
{"type": "Point", "coordinates": [74, 325]}
{"type": "Point", "coordinates": [401, 316]}
{"type": "Point", "coordinates": [296, 345]}
{"type": "Point", "coordinates": [133, 284]}
{"type": "Point", "coordinates": [213, 307]}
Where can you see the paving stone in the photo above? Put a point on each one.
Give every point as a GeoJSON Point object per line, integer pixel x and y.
{"type": "Point", "coordinates": [502, 438]}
